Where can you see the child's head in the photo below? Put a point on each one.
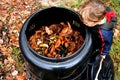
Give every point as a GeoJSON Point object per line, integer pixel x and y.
{"type": "Point", "coordinates": [92, 12]}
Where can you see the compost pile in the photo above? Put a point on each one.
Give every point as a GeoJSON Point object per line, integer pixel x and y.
{"type": "Point", "coordinates": [56, 40]}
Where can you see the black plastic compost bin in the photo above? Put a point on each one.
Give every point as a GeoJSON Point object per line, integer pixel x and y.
{"type": "Point", "coordinates": [66, 68]}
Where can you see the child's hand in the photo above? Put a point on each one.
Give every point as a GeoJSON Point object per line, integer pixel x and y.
{"type": "Point", "coordinates": [103, 56]}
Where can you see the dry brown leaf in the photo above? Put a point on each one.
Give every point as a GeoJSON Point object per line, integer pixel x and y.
{"type": "Point", "coordinates": [21, 76]}
{"type": "Point", "coordinates": [11, 60]}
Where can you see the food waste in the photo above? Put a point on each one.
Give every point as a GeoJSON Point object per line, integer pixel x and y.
{"type": "Point", "coordinates": [56, 40]}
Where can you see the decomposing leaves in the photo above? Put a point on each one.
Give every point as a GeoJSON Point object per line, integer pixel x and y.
{"type": "Point", "coordinates": [56, 40]}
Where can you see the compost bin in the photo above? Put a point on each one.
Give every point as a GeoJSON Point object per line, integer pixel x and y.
{"type": "Point", "coordinates": [46, 68]}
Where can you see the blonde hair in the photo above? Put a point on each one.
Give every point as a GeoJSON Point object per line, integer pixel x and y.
{"type": "Point", "coordinates": [92, 11]}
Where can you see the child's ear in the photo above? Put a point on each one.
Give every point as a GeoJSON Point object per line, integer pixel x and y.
{"type": "Point", "coordinates": [76, 9]}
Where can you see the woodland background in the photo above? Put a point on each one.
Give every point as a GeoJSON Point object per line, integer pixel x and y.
{"type": "Point", "coordinates": [13, 13]}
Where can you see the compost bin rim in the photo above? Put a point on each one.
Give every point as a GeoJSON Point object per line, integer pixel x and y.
{"type": "Point", "coordinates": [55, 59]}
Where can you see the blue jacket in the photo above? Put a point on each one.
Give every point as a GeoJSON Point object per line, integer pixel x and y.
{"type": "Point", "coordinates": [106, 32]}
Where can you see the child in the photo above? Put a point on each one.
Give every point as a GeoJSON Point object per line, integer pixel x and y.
{"type": "Point", "coordinates": [101, 20]}
{"type": "Point", "coordinates": [96, 15]}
